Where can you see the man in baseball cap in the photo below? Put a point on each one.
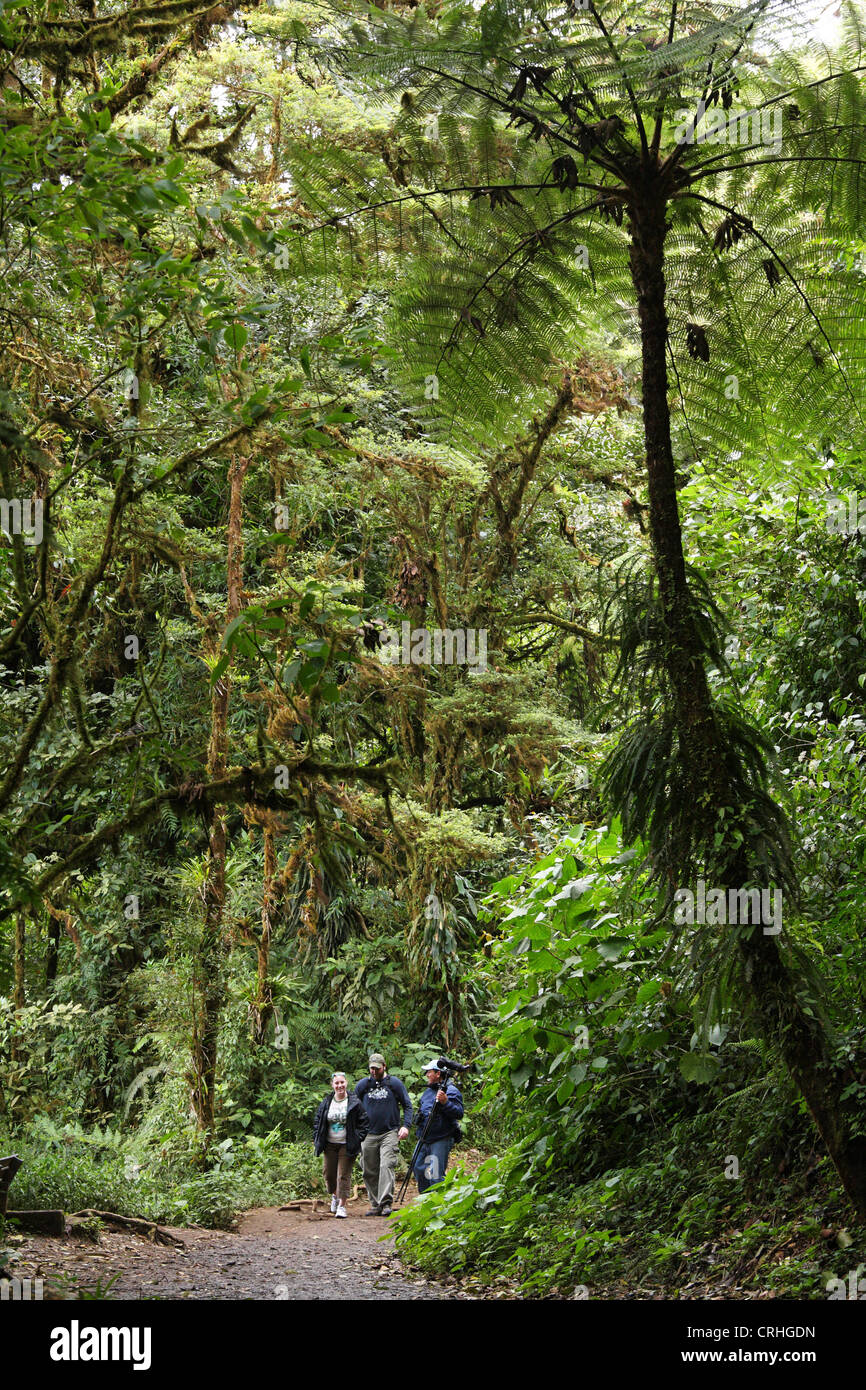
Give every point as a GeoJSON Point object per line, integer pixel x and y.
{"type": "Point", "coordinates": [431, 1158]}
{"type": "Point", "coordinates": [384, 1097]}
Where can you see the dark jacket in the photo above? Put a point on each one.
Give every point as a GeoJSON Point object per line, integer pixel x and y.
{"type": "Point", "coordinates": [383, 1101]}
{"type": "Point", "coordinates": [444, 1124]}
{"type": "Point", "coordinates": [356, 1124]}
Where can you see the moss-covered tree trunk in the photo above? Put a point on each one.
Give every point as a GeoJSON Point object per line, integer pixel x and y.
{"type": "Point", "coordinates": [53, 953]}
{"type": "Point", "coordinates": [263, 1005]}
{"type": "Point", "coordinates": [776, 992]}
{"type": "Point", "coordinates": [210, 957]}
{"type": "Point", "coordinates": [19, 994]}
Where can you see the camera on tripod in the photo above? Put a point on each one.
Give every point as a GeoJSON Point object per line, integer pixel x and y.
{"type": "Point", "coordinates": [448, 1069]}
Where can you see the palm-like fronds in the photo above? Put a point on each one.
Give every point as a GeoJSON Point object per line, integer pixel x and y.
{"type": "Point", "coordinates": [652, 779]}
{"type": "Point", "coordinates": [550, 122]}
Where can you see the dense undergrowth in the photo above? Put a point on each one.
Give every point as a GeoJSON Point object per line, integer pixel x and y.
{"type": "Point", "coordinates": [74, 1169]}
{"type": "Point", "coordinates": [657, 1229]}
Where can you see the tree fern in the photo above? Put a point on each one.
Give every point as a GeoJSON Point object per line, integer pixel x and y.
{"type": "Point", "coordinates": [517, 204]}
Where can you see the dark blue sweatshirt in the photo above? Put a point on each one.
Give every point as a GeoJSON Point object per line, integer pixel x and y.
{"type": "Point", "coordinates": [444, 1122]}
{"type": "Point", "coordinates": [383, 1101]}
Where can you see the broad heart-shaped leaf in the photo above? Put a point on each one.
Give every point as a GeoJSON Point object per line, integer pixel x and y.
{"type": "Point", "coordinates": [537, 930]}
{"type": "Point", "coordinates": [310, 672]}
{"type": "Point", "coordinates": [613, 948]}
{"type": "Point", "coordinates": [701, 1067]}
{"type": "Point", "coordinates": [565, 1090]}
{"type": "Point", "coordinates": [235, 336]}
{"type": "Point", "coordinates": [576, 888]}
{"type": "Point", "coordinates": [648, 990]}
{"type": "Point", "coordinates": [535, 1006]}
{"type": "Point", "coordinates": [570, 866]}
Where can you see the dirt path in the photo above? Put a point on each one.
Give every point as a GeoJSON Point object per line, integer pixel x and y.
{"type": "Point", "coordinates": [274, 1255]}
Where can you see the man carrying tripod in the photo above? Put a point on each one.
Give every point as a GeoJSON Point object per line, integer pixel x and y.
{"type": "Point", "coordinates": [431, 1157]}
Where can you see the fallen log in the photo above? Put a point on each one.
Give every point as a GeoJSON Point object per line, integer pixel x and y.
{"type": "Point", "coordinates": [39, 1223]}
{"type": "Point", "coordinates": [148, 1230]}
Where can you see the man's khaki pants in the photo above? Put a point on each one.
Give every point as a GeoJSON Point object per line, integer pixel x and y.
{"type": "Point", "coordinates": [379, 1156]}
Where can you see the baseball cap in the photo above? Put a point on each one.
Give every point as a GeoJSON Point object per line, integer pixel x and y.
{"type": "Point", "coordinates": [432, 1066]}
{"type": "Point", "coordinates": [375, 1060]}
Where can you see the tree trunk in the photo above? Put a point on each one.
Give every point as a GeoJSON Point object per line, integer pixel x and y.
{"type": "Point", "coordinates": [684, 650]}
{"type": "Point", "coordinates": [775, 991]}
{"type": "Point", "coordinates": [19, 997]}
{"type": "Point", "coordinates": [209, 970]}
{"type": "Point", "coordinates": [53, 949]}
{"type": "Point", "coordinates": [263, 1006]}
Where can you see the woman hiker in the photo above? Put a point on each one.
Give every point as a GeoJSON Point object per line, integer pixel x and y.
{"type": "Point", "coordinates": [338, 1129]}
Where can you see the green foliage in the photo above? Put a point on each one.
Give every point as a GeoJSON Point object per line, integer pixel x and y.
{"type": "Point", "coordinates": [36, 1044]}
{"type": "Point", "coordinates": [72, 1168]}
{"type": "Point", "coordinates": [421, 342]}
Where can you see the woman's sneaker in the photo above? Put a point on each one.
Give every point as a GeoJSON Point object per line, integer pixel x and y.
{"type": "Point", "coordinates": [341, 1210]}
{"type": "Point", "coordinates": [334, 1205]}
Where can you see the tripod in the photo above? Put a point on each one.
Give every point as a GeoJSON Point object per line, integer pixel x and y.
{"type": "Point", "coordinates": [442, 1086]}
